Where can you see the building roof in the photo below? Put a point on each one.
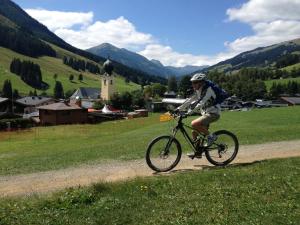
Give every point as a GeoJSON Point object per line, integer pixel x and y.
{"type": "Point", "coordinates": [60, 106]}
{"type": "Point", "coordinates": [292, 100]}
{"type": "Point", "coordinates": [86, 93]}
{"type": "Point", "coordinates": [174, 100]}
{"type": "Point", "coordinates": [33, 100]}
{"type": "Point", "coordinates": [3, 99]}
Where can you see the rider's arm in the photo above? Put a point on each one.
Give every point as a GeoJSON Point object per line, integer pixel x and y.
{"type": "Point", "coordinates": [187, 103]}
{"type": "Point", "coordinates": [210, 94]}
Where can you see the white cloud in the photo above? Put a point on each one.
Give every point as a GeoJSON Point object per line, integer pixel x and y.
{"type": "Point", "coordinates": [119, 32]}
{"type": "Point", "coordinates": [57, 20]}
{"type": "Point", "coordinates": [255, 11]}
{"type": "Point", "coordinates": [170, 57]}
{"type": "Point", "coordinates": [271, 21]}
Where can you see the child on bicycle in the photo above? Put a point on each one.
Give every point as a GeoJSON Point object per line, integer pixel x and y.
{"type": "Point", "coordinates": [203, 102]}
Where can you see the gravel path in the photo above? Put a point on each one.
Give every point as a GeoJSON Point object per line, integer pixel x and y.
{"type": "Point", "coordinates": [43, 182]}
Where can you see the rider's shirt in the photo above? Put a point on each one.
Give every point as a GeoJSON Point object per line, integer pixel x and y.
{"type": "Point", "coordinates": [202, 101]}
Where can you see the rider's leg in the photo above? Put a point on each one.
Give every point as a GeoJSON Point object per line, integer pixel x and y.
{"type": "Point", "coordinates": [199, 127]}
{"type": "Point", "coordinates": [202, 123]}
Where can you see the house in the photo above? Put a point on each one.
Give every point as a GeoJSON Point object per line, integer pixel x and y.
{"type": "Point", "coordinates": [5, 108]}
{"type": "Point", "coordinates": [62, 113]}
{"type": "Point", "coordinates": [170, 94]}
{"type": "Point", "coordinates": [5, 105]}
{"type": "Point", "coordinates": [29, 104]}
{"type": "Point", "coordinates": [87, 96]}
{"type": "Point", "coordinates": [86, 93]}
{"type": "Point", "coordinates": [291, 101]}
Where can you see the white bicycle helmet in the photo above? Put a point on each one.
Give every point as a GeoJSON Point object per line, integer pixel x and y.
{"type": "Point", "coordinates": [198, 77]}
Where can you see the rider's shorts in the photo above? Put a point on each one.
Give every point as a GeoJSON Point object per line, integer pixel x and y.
{"type": "Point", "coordinates": [208, 118]}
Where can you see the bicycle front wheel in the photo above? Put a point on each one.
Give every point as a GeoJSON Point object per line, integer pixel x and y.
{"type": "Point", "coordinates": [163, 153]}
{"type": "Point", "coordinates": [224, 149]}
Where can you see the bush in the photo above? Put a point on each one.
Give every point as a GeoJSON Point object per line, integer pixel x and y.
{"type": "Point", "coordinates": [15, 123]}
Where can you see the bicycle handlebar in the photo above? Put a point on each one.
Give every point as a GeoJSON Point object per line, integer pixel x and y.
{"type": "Point", "coordinates": [179, 114]}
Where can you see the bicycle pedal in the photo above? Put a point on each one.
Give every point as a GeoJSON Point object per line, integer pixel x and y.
{"type": "Point", "coordinates": [194, 155]}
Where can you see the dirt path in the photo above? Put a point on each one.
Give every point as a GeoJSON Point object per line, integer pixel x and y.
{"type": "Point", "coordinates": [44, 182]}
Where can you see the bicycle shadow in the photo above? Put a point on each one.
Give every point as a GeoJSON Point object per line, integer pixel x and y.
{"type": "Point", "coordinates": [210, 167]}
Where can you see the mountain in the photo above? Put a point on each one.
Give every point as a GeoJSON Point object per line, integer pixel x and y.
{"type": "Point", "coordinates": [263, 57]}
{"type": "Point", "coordinates": [139, 62]}
{"type": "Point", "coordinates": [25, 38]}
{"type": "Point", "coordinates": [27, 24]}
{"type": "Point", "coordinates": [179, 71]}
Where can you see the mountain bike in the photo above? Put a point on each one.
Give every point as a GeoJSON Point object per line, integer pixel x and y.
{"type": "Point", "coordinates": [164, 152]}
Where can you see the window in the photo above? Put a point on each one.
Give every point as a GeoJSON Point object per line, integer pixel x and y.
{"type": "Point", "coordinates": [104, 82]}
{"type": "Point", "coordinates": [111, 82]}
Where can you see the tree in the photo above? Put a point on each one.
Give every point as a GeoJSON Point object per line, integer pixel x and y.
{"type": "Point", "coordinates": [147, 91]}
{"type": "Point", "coordinates": [16, 94]}
{"type": "Point", "coordinates": [80, 77]}
{"type": "Point", "coordinates": [58, 90]}
{"type": "Point", "coordinates": [7, 89]}
{"type": "Point", "coordinates": [158, 89]}
{"type": "Point", "coordinates": [71, 77]}
{"type": "Point", "coordinates": [121, 101]}
{"type": "Point", "coordinates": [185, 86]}
{"type": "Point", "coordinates": [98, 105]}
{"type": "Point", "coordinates": [138, 98]}
{"type": "Point", "coordinates": [172, 84]}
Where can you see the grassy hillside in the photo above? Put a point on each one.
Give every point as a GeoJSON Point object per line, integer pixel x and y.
{"type": "Point", "coordinates": [49, 67]}
{"type": "Point", "coordinates": [291, 67]}
{"type": "Point", "coordinates": [264, 192]}
{"type": "Point", "coordinates": [46, 148]}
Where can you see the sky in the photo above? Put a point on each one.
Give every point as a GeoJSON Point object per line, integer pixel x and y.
{"type": "Point", "coordinates": [176, 32]}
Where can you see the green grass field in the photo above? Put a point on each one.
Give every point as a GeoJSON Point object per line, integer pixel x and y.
{"type": "Point", "coordinates": [264, 192]}
{"type": "Point", "coordinates": [49, 67]}
{"type": "Point", "coordinates": [47, 148]}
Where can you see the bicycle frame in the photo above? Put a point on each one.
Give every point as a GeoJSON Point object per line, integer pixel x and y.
{"type": "Point", "coordinates": [195, 144]}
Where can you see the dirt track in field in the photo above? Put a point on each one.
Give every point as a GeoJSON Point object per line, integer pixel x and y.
{"type": "Point", "coordinates": [45, 182]}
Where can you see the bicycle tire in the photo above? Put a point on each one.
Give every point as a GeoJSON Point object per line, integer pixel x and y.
{"type": "Point", "coordinates": [160, 143]}
{"type": "Point", "coordinates": [222, 147]}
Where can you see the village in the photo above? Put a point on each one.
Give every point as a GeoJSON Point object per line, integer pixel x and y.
{"type": "Point", "coordinates": [79, 108]}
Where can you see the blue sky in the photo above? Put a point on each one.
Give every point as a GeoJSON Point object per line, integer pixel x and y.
{"type": "Point", "coordinates": [176, 32]}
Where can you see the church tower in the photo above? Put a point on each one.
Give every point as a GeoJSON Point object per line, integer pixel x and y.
{"type": "Point", "coordinates": [108, 81]}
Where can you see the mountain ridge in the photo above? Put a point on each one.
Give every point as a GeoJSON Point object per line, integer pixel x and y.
{"type": "Point", "coordinates": [259, 57]}
{"type": "Point", "coordinates": [137, 61]}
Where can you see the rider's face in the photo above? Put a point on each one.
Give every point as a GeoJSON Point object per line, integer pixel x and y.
{"type": "Point", "coordinates": [197, 84]}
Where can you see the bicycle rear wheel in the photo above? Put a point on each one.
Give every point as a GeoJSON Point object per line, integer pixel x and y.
{"type": "Point", "coordinates": [224, 149]}
{"type": "Point", "coordinates": [163, 153]}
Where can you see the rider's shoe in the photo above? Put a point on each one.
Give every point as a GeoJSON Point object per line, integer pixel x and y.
{"type": "Point", "coordinates": [193, 155]}
{"type": "Point", "coordinates": [211, 138]}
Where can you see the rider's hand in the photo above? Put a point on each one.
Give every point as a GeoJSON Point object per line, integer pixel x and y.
{"type": "Point", "coordinates": [190, 112]}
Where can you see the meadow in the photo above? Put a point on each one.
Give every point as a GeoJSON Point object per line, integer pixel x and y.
{"type": "Point", "coordinates": [265, 192]}
{"type": "Point", "coordinates": [49, 67]}
{"type": "Point", "coordinates": [56, 147]}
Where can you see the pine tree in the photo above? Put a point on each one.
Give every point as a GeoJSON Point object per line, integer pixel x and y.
{"type": "Point", "coordinates": [80, 77]}
{"type": "Point", "coordinates": [58, 90]}
{"type": "Point", "coordinates": [172, 84]}
{"type": "Point", "coordinates": [7, 89]}
{"type": "Point", "coordinates": [71, 77]}
{"type": "Point", "coordinates": [16, 94]}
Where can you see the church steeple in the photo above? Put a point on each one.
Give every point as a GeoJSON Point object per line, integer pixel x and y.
{"type": "Point", "coordinates": [108, 82]}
